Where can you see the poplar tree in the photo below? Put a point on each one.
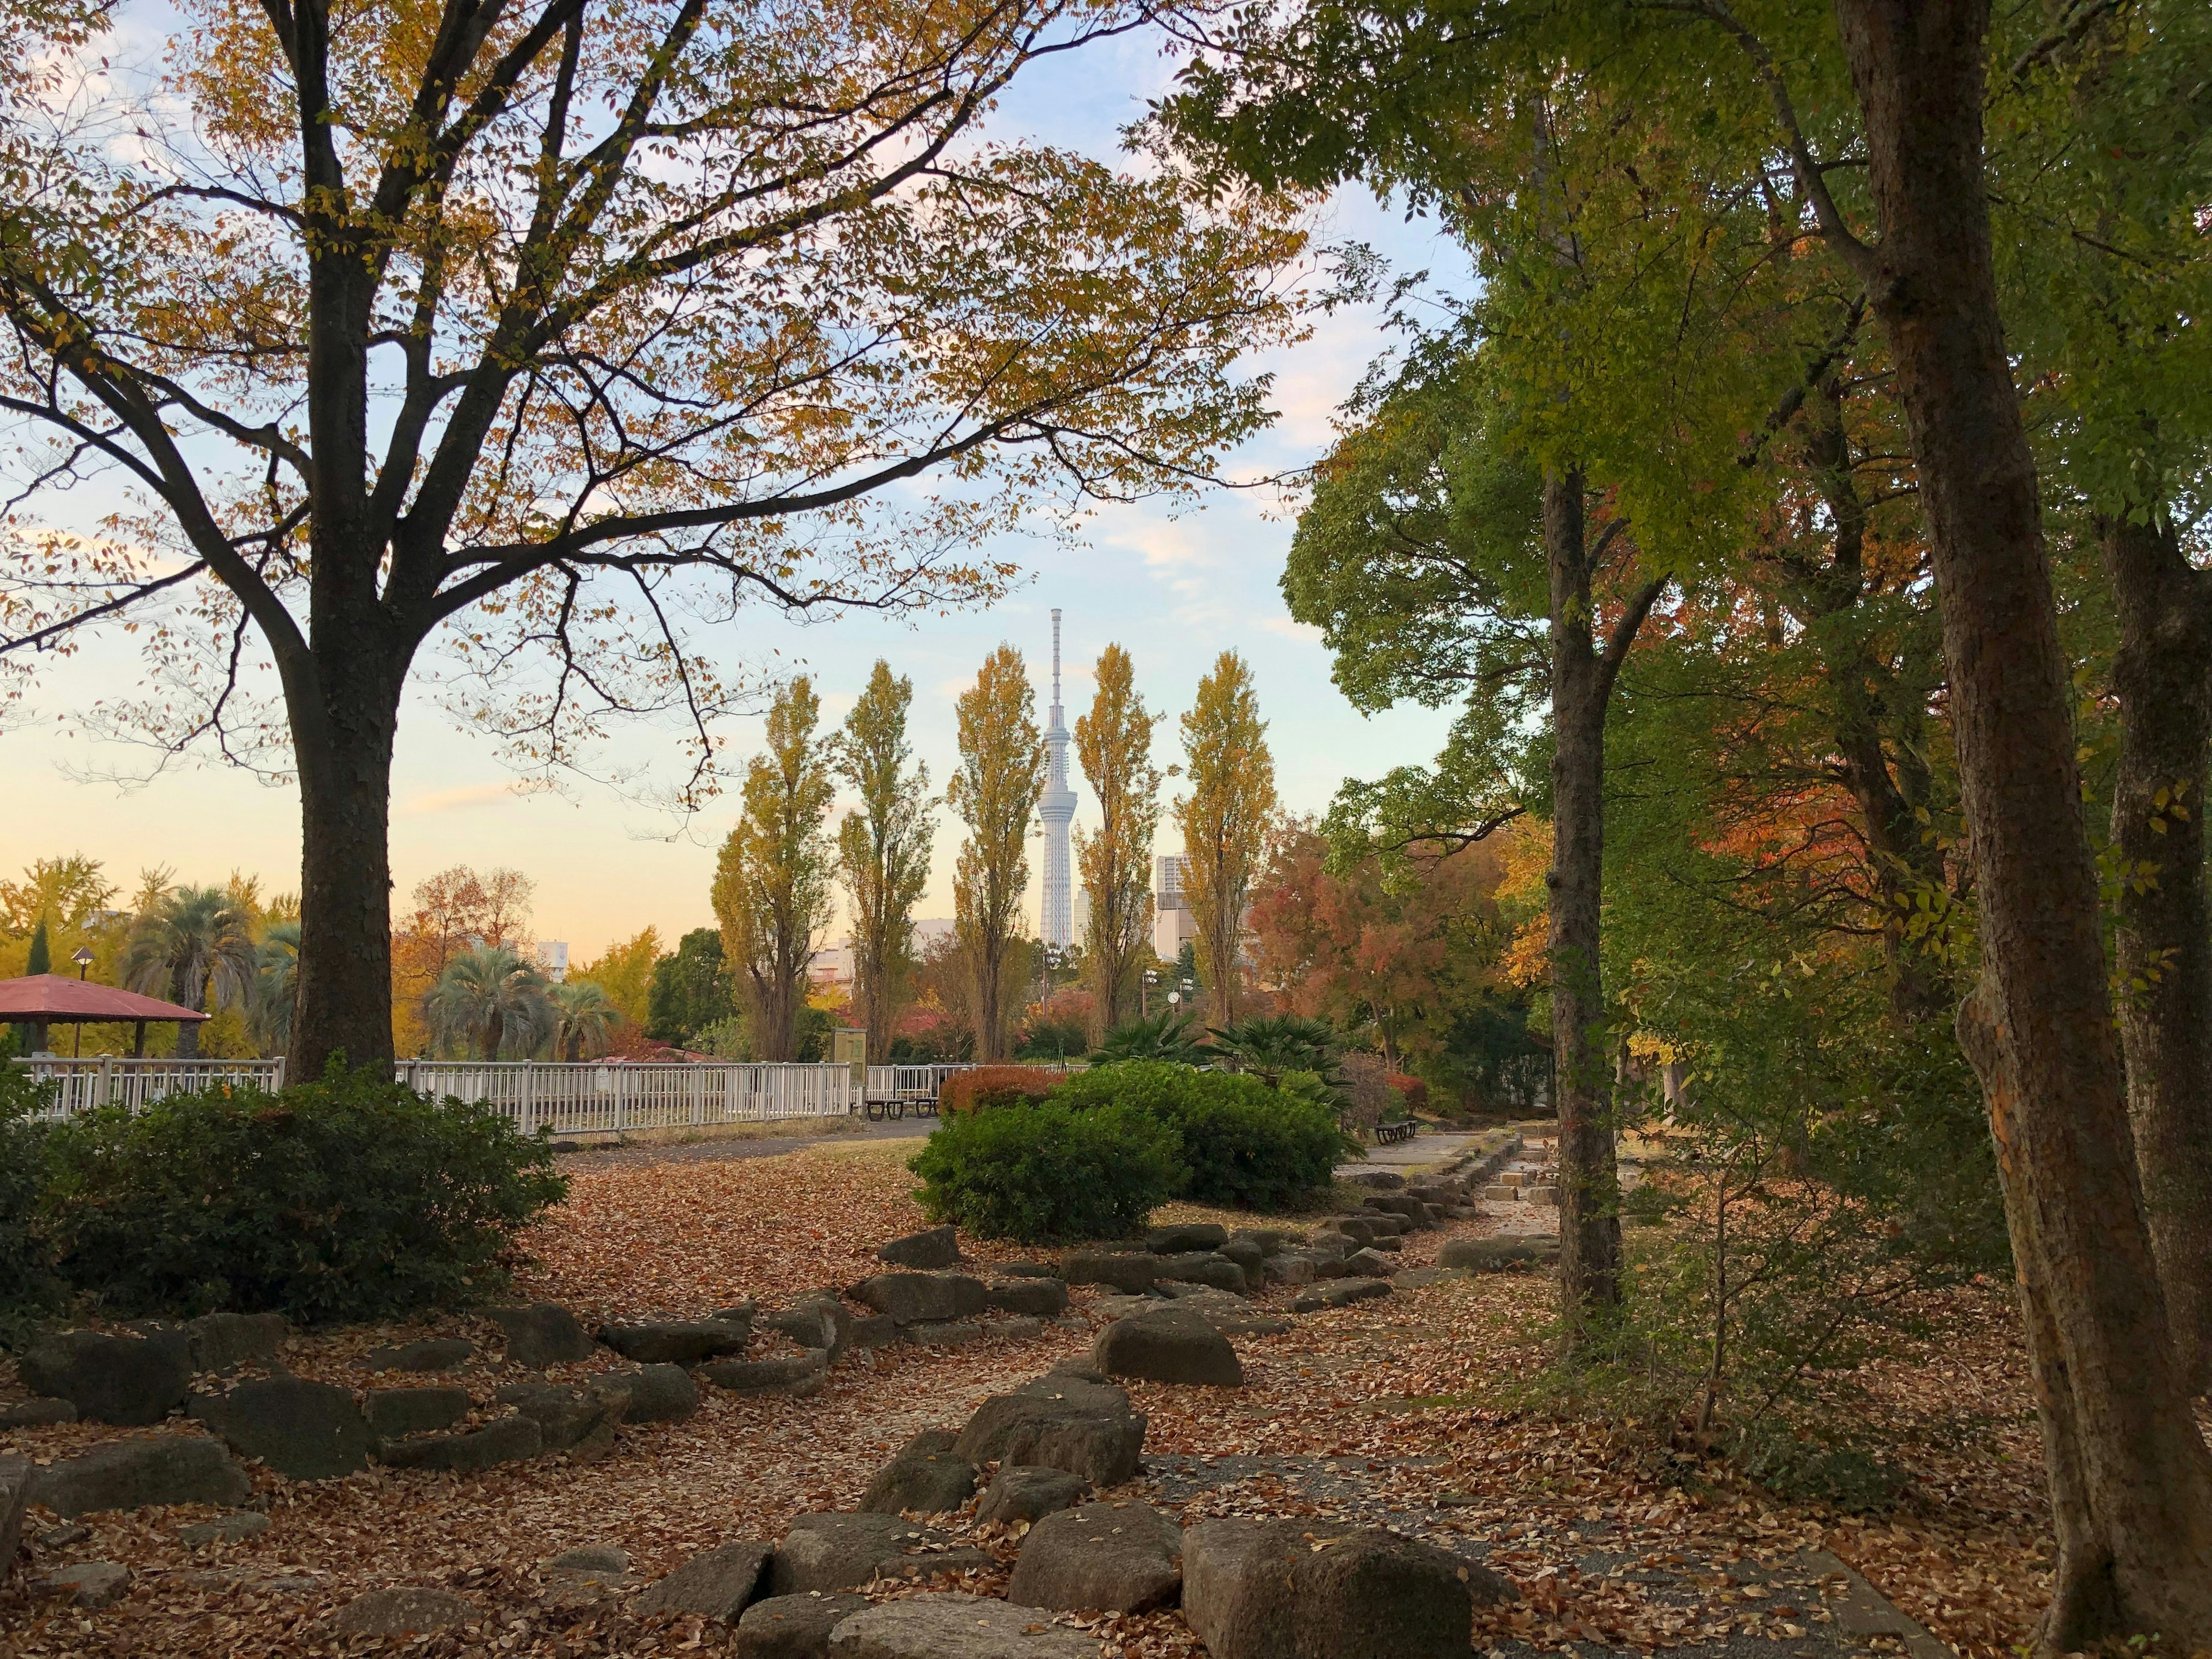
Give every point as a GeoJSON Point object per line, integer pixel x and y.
{"type": "Point", "coordinates": [883, 846]}
{"type": "Point", "coordinates": [1114, 742]}
{"type": "Point", "coordinates": [771, 892]}
{"type": "Point", "coordinates": [1224, 817]}
{"type": "Point", "coordinates": [995, 791]}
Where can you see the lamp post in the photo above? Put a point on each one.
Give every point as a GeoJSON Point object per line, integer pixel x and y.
{"type": "Point", "coordinates": [82, 956]}
{"type": "Point", "coordinates": [1150, 978]}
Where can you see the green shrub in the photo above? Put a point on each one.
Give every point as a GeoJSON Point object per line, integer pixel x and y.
{"type": "Point", "coordinates": [29, 1288]}
{"type": "Point", "coordinates": [1244, 1145]}
{"type": "Point", "coordinates": [353, 1197]}
{"type": "Point", "coordinates": [1033, 1173]}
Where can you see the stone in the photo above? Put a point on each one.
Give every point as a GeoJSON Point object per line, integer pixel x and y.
{"type": "Point", "coordinates": [1086, 1428]}
{"type": "Point", "coordinates": [1204, 1268]}
{"type": "Point", "coordinates": [395, 1414]}
{"type": "Point", "coordinates": [1340, 1293]}
{"type": "Point", "coordinates": [1247, 1253]}
{"type": "Point", "coordinates": [1385, 1224]}
{"type": "Point", "coordinates": [1369, 1263]}
{"type": "Point", "coordinates": [794, 1626]}
{"type": "Point", "coordinates": [592, 1560]}
{"type": "Point", "coordinates": [1027, 1269]}
{"type": "Point", "coordinates": [131, 1475]}
{"type": "Point", "coordinates": [1498, 1254]}
{"type": "Point", "coordinates": [1190, 1235]}
{"type": "Point", "coordinates": [874, 1331]}
{"type": "Point", "coordinates": [431, 1353]}
{"type": "Point", "coordinates": [1361, 1230]}
{"type": "Point", "coordinates": [544, 1333]}
{"type": "Point", "coordinates": [1029, 1492]}
{"type": "Point", "coordinates": [719, 1584]}
{"type": "Point", "coordinates": [1288, 1589]}
{"type": "Point", "coordinates": [304, 1431]}
{"type": "Point", "coordinates": [1405, 1205]}
{"type": "Point", "coordinates": [677, 1342]}
{"type": "Point", "coordinates": [943, 1333]}
{"type": "Point", "coordinates": [1023, 1328]}
{"type": "Point", "coordinates": [128, 1379]}
{"type": "Point", "coordinates": [801, 1375]}
{"type": "Point", "coordinates": [223, 1529]}
{"type": "Point", "coordinates": [821, 1321]}
{"type": "Point", "coordinates": [1120, 1558]}
{"type": "Point", "coordinates": [37, 1414]}
{"type": "Point", "coordinates": [1419, 1278]}
{"type": "Point", "coordinates": [411, 1611]}
{"type": "Point", "coordinates": [1125, 1270]}
{"type": "Point", "coordinates": [928, 1477]}
{"type": "Point", "coordinates": [1041, 1299]}
{"type": "Point", "coordinates": [1271, 1241]}
{"type": "Point", "coordinates": [60, 1538]}
{"type": "Point", "coordinates": [659, 1394]}
{"type": "Point", "coordinates": [934, 1247]}
{"type": "Point", "coordinates": [14, 1500]}
{"type": "Point", "coordinates": [581, 1421]}
{"type": "Point", "coordinates": [912, 1298]}
{"type": "Point", "coordinates": [508, 1440]}
{"type": "Point", "coordinates": [837, 1551]}
{"type": "Point", "coordinates": [1168, 1346]}
{"type": "Point", "coordinates": [1228, 1313]}
{"type": "Point", "coordinates": [1379, 1180]}
{"type": "Point", "coordinates": [1289, 1270]}
{"type": "Point", "coordinates": [1388, 1242]}
{"type": "Point", "coordinates": [224, 1341]}
{"type": "Point", "coordinates": [90, 1583]}
{"type": "Point", "coordinates": [955, 1627]}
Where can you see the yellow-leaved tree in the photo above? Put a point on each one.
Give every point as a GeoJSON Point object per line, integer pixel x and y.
{"type": "Point", "coordinates": [624, 971]}
{"type": "Point", "coordinates": [1114, 743]}
{"type": "Point", "coordinates": [883, 846]}
{"type": "Point", "coordinates": [1225, 818]}
{"type": "Point", "coordinates": [551, 336]}
{"type": "Point", "coordinates": [995, 791]}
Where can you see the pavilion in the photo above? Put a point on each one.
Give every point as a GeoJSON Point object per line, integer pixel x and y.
{"type": "Point", "coordinates": [39, 1000]}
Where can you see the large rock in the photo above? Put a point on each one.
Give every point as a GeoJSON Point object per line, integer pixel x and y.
{"type": "Point", "coordinates": [1340, 1293]}
{"type": "Point", "coordinates": [130, 1380]}
{"type": "Point", "coordinates": [719, 1584]}
{"type": "Point", "coordinates": [677, 1342]}
{"type": "Point", "coordinates": [1288, 1589]}
{"type": "Point", "coordinates": [581, 1421]}
{"type": "Point", "coordinates": [1359, 1229]}
{"type": "Point", "coordinates": [840, 1552]}
{"type": "Point", "coordinates": [928, 1477]}
{"type": "Point", "coordinates": [544, 1333]}
{"type": "Point", "coordinates": [1029, 1492]}
{"type": "Point", "coordinates": [1289, 1269]}
{"type": "Point", "coordinates": [1084, 1428]}
{"type": "Point", "coordinates": [955, 1627]}
{"type": "Point", "coordinates": [395, 1414]}
{"type": "Point", "coordinates": [1168, 1346]}
{"type": "Point", "coordinates": [407, 1612]}
{"type": "Point", "coordinates": [1125, 1270]}
{"type": "Point", "coordinates": [1369, 1264]}
{"type": "Point", "coordinates": [431, 1353]}
{"type": "Point", "coordinates": [1378, 1181]}
{"type": "Point", "coordinates": [224, 1529]}
{"type": "Point", "coordinates": [1117, 1558]}
{"type": "Point", "coordinates": [1189, 1235]}
{"type": "Point", "coordinates": [1247, 1253]}
{"type": "Point", "coordinates": [821, 1321]}
{"type": "Point", "coordinates": [14, 1498]}
{"type": "Point", "coordinates": [1226, 1311]}
{"type": "Point", "coordinates": [1042, 1298]}
{"type": "Point", "coordinates": [90, 1585]}
{"type": "Point", "coordinates": [304, 1431]}
{"type": "Point", "coordinates": [1204, 1267]}
{"type": "Point", "coordinates": [131, 1475]}
{"type": "Point", "coordinates": [38, 1413]}
{"type": "Point", "coordinates": [508, 1440]}
{"type": "Point", "coordinates": [1404, 1204]}
{"type": "Point", "coordinates": [936, 1246]}
{"type": "Point", "coordinates": [224, 1341]}
{"type": "Point", "coordinates": [659, 1394]}
{"type": "Point", "coordinates": [1486, 1256]}
{"type": "Point", "coordinates": [794, 1626]}
{"type": "Point", "coordinates": [911, 1298]}
{"type": "Point", "coordinates": [800, 1374]}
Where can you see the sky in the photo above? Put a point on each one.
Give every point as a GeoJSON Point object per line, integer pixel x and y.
{"type": "Point", "coordinates": [1174, 584]}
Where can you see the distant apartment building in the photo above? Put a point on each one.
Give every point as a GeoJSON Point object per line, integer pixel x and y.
{"type": "Point", "coordinates": [553, 958]}
{"type": "Point", "coordinates": [1172, 921]}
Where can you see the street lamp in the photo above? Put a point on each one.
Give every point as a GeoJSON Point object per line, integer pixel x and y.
{"type": "Point", "coordinates": [1152, 977]}
{"type": "Point", "coordinates": [82, 956]}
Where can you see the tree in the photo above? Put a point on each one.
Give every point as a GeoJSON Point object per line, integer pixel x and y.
{"type": "Point", "coordinates": [690, 992]}
{"type": "Point", "coordinates": [584, 1017]}
{"type": "Point", "coordinates": [192, 943]}
{"type": "Point", "coordinates": [1225, 819]}
{"type": "Point", "coordinates": [68, 892]}
{"type": "Point", "coordinates": [455, 910]}
{"type": "Point", "coordinates": [1114, 743]}
{"type": "Point", "coordinates": [41, 959]}
{"type": "Point", "coordinates": [883, 846]}
{"type": "Point", "coordinates": [276, 961]}
{"type": "Point", "coordinates": [492, 999]}
{"type": "Point", "coordinates": [771, 890]}
{"type": "Point", "coordinates": [995, 790]}
{"type": "Point", "coordinates": [582, 319]}
{"type": "Point", "coordinates": [1164, 1036]}
{"type": "Point", "coordinates": [624, 971]}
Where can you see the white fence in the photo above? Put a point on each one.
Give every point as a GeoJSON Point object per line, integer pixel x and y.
{"type": "Point", "coordinates": [83, 1084]}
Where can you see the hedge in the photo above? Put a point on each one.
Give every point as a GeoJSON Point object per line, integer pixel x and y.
{"type": "Point", "coordinates": [1037, 1173]}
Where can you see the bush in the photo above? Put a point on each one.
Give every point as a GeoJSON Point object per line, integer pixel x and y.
{"type": "Point", "coordinates": [1244, 1145]}
{"type": "Point", "coordinates": [993, 1085]}
{"type": "Point", "coordinates": [1034, 1173]}
{"type": "Point", "coordinates": [1411, 1089]}
{"type": "Point", "coordinates": [29, 1288]}
{"type": "Point", "coordinates": [353, 1197]}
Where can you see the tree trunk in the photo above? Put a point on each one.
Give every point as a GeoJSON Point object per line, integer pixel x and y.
{"type": "Point", "coordinates": [2163, 672]}
{"type": "Point", "coordinates": [990, 972]}
{"type": "Point", "coordinates": [875, 980]}
{"type": "Point", "coordinates": [2130, 1478]}
{"type": "Point", "coordinates": [1590, 1211]}
{"type": "Point", "coordinates": [343, 739]}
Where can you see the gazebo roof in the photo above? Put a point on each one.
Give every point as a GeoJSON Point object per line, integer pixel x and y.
{"type": "Point", "coordinates": [57, 998]}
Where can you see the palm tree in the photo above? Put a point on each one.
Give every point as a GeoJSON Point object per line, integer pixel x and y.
{"type": "Point", "coordinates": [491, 999]}
{"type": "Point", "coordinates": [584, 1016]}
{"type": "Point", "coordinates": [1269, 1045]}
{"type": "Point", "coordinates": [1163, 1036]}
{"type": "Point", "coordinates": [191, 942]}
{"type": "Point", "coordinates": [276, 972]}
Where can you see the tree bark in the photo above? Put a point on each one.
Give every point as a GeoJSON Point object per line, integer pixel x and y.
{"type": "Point", "coordinates": [1590, 1209]}
{"type": "Point", "coordinates": [2163, 672]}
{"type": "Point", "coordinates": [2130, 1478]}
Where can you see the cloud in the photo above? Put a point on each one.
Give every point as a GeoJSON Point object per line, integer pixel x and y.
{"type": "Point", "coordinates": [1303, 633]}
{"type": "Point", "coordinates": [467, 797]}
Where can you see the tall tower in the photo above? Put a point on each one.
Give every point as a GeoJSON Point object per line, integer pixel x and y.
{"type": "Point", "coordinates": [1057, 809]}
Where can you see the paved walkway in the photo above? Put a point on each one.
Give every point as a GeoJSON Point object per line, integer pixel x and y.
{"type": "Point", "coordinates": [727, 1148]}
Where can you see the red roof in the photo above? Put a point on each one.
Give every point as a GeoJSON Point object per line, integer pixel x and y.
{"type": "Point", "coordinates": [58, 997]}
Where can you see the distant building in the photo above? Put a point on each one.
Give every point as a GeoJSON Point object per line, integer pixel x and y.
{"type": "Point", "coordinates": [1172, 921]}
{"type": "Point", "coordinates": [831, 967]}
{"type": "Point", "coordinates": [553, 957]}
{"type": "Point", "coordinates": [1056, 809]}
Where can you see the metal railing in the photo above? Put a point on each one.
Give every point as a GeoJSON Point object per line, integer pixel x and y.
{"type": "Point", "coordinates": [593, 1097]}
{"type": "Point", "coordinates": [82, 1085]}
{"type": "Point", "coordinates": [910, 1083]}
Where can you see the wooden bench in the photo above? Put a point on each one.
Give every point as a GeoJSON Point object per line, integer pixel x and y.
{"type": "Point", "coordinates": [1390, 1134]}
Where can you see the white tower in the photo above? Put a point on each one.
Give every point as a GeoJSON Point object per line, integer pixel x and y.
{"type": "Point", "coordinates": [1057, 809]}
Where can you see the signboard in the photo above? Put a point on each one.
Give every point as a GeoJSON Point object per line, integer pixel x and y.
{"type": "Point", "coordinates": [850, 1048]}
